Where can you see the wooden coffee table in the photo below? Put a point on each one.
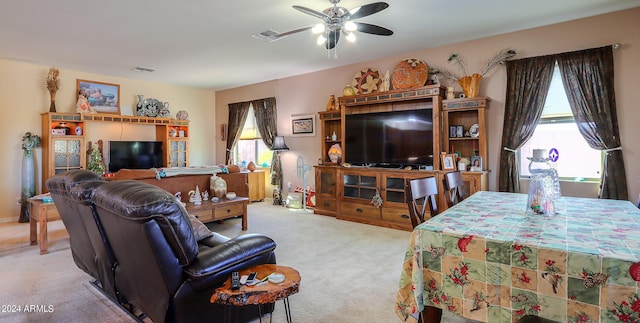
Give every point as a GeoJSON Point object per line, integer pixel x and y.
{"type": "Point", "coordinates": [223, 209]}
{"type": "Point", "coordinates": [262, 294]}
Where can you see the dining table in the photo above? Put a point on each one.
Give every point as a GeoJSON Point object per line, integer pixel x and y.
{"type": "Point", "coordinates": [490, 259]}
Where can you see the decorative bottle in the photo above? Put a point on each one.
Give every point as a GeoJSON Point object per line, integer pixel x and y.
{"type": "Point", "coordinates": [334, 137]}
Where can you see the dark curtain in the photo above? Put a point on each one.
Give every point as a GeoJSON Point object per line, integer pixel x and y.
{"type": "Point", "coordinates": [528, 82]}
{"type": "Point", "coordinates": [266, 119]}
{"type": "Point", "coordinates": [587, 76]}
{"type": "Point", "coordinates": [237, 116]}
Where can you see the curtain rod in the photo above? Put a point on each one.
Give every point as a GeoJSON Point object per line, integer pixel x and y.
{"type": "Point", "coordinates": [616, 46]}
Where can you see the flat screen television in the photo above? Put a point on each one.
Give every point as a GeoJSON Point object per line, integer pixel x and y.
{"type": "Point", "coordinates": [134, 155]}
{"type": "Point", "coordinates": [389, 139]}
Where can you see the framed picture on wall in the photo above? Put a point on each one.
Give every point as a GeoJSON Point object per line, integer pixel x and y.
{"type": "Point", "coordinates": [103, 97]}
{"type": "Point", "coordinates": [303, 125]}
{"type": "Point", "coordinates": [448, 162]}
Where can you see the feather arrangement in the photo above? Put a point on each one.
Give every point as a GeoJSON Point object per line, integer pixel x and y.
{"type": "Point", "coordinates": [498, 59]}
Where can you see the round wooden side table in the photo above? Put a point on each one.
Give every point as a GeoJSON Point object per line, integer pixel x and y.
{"type": "Point", "coordinates": [260, 294]}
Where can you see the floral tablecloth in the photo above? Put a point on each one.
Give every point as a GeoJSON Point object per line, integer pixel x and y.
{"type": "Point", "coordinates": [487, 260]}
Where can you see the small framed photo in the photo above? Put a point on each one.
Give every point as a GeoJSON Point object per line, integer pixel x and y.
{"type": "Point", "coordinates": [303, 125]}
{"type": "Point", "coordinates": [448, 162]}
{"type": "Point", "coordinates": [459, 131]}
{"type": "Point", "coordinates": [103, 97]}
{"type": "Point", "coordinates": [453, 131]}
{"type": "Point", "coordinates": [476, 164]}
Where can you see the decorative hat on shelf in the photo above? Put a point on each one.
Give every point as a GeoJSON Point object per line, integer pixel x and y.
{"type": "Point", "coordinates": [539, 155]}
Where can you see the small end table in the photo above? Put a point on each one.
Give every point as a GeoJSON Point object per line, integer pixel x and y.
{"type": "Point", "coordinates": [41, 213]}
{"type": "Point", "coordinates": [263, 294]}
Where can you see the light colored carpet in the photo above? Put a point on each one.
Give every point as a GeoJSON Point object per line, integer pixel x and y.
{"type": "Point", "coordinates": [349, 271]}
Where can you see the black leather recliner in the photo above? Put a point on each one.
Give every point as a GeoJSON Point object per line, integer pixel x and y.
{"type": "Point", "coordinates": [71, 193]}
{"type": "Point", "coordinates": [158, 266]}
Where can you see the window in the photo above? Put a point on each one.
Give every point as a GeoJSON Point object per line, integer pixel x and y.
{"type": "Point", "coordinates": [250, 147]}
{"type": "Point", "coordinates": [557, 129]}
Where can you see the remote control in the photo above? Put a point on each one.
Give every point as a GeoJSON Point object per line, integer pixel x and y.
{"type": "Point", "coordinates": [235, 280]}
{"type": "Point", "coordinates": [243, 279]}
{"type": "Point", "coordinates": [252, 277]}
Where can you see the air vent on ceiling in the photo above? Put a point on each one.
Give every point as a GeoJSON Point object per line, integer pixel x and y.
{"type": "Point", "coordinates": [268, 35]}
{"type": "Point", "coordinates": [143, 69]}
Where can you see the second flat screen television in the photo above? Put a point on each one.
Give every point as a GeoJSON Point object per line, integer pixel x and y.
{"type": "Point", "coordinates": [134, 155]}
{"type": "Point", "coordinates": [396, 138]}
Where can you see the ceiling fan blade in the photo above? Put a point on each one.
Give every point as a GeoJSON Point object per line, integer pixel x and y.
{"type": "Point", "coordinates": [373, 29]}
{"type": "Point", "coordinates": [312, 12]}
{"type": "Point", "coordinates": [368, 9]}
{"type": "Point", "coordinates": [291, 32]}
{"type": "Point", "coordinates": [332, 39]}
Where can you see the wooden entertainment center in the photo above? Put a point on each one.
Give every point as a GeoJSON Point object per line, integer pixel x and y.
{"type": "Point", "coordinates": [68, 150]}
{"type": "Point", "coordinates": [347, 192]}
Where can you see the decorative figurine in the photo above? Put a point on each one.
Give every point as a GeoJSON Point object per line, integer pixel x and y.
{"type": "Point", "coordinates": [385, 82]}
{"type": "Point", "coordinates": [197, 199]}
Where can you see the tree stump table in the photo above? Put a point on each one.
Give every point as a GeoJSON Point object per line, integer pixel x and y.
{"type": "Point", "coordinates": [260, 294]}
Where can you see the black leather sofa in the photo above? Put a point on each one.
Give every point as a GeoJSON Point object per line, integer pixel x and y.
{"type": "Point", "coordinates": [142, 246]}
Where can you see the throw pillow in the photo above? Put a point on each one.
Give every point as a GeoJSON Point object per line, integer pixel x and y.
{"type": "Point", "coordinates": [200, 231]}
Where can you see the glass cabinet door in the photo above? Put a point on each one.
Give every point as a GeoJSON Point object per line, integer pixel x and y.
{"type": "Point", "coordinates": [327, 183]}
{"type": "Point", "coordinates": [67, 154]}
{"type": "Point", "coordinates": [178, 153]}
{"type": "Point", "coordinates": [359, 186]}
{"type": "Point", "coordinates": [394, 189]}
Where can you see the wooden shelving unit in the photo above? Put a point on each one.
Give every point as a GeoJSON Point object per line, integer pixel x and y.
{"type": "Point", "coordinates": [330, 123]}
{"type": "Point", "coordinates": [61, 153]}
{"type": "Point", "coordinates": [466, 113]}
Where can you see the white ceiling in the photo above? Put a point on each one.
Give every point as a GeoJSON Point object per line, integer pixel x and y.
{"type": "Point", "coordinates": [208, 43]}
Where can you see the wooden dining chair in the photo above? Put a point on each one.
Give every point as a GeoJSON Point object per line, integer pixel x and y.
{"type": "Point", "coordinates": [421, 195]}
{"type": "Point", "coordinates": [453, 186]}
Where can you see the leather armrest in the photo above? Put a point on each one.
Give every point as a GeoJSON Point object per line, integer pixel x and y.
{"type": "Point", "coordinates": [214, 263]}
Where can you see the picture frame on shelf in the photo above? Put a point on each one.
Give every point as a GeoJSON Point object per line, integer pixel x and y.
{"type": "Point", "coordinates": [103, 97]}
{"type": "Point", "coordinates": [452, 132]}
{"type": "Point", "coordinates": [303, 125]}
{"type": "Point", "coordinates": [476, 164]}
{"type": "Point", "coordinates": [448, 161]}
{"type": "Point", "coordinates": [459, 131]}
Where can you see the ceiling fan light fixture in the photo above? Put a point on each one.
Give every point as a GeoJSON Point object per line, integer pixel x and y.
{"type": "Point", "coordinates": [351, 37]}
{"type": "Point", "coordinates": [350, 26]}
{"type": "Point", "coordinates": [321, 40]}
{"type": "Point", "coordinates": [318, 29]}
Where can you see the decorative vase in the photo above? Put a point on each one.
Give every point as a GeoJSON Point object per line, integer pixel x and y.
{"type": "Point", "coordinates": [251, 167]}
{"type": "Point", "coordinates": [28, 184]}
{"type": "Point", "coordinates": [28, 175]}
{"type": "Point", "coordinates": [470, 85]}
{"type": "Point", "coordinates": [52, 107]}
{"type": "Point", "coordinates": [348, 90]}
{"type": "Point", "coordinates": [218, 186]}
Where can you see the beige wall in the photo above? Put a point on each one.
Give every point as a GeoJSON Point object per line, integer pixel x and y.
{"type": "Point", "coordinates": [23, 97]}
{"type": "Point", "coordinates": [306, 94]}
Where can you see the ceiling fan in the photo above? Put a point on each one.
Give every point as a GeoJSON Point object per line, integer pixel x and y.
{"type": "Point", "coordinates": [335, 21]}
